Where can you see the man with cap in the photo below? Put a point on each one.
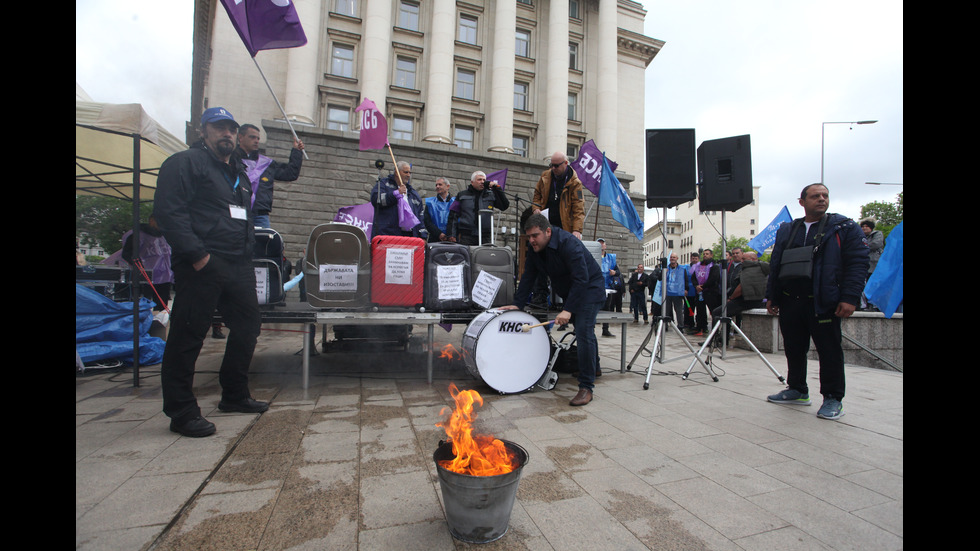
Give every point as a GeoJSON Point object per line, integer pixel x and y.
{"type": "Point", "coordinates": [202, 206]}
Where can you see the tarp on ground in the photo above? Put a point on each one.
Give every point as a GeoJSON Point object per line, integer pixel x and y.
{"type": "Point", "coordinates": [104, 329]}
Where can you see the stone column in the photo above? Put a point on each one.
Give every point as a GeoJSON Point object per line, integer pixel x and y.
{"type": "Point", "coordinates": [439, 93]}
{"type": "Point", "coordinates": [301, 99]}
{"type": "Point", "coordinates": [376, 52]}
{"type": "Point", "coordinates": [501, 122]}
{"type": "Point", "coordinates": [556, 83]}
{"type": "Point", "coordinates": [608, 49]}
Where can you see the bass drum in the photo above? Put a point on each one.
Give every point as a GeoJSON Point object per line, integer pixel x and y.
{"type": "Point", "coordinates": [498, 350]}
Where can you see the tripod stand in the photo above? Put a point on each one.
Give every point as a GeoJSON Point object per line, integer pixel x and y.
{"type": "Point", "coordinates": [662, 321]}
{"type": "Point", "coordinates": [725, 321]}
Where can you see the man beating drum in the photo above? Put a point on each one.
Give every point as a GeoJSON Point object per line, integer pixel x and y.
{"type": "Point", "coordinates": [577, 279]}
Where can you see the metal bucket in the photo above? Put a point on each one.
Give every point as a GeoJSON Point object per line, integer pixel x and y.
{"type": "Point", "coordinates": [478, 507]}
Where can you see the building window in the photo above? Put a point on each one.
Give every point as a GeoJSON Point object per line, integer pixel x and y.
{"type": "Point", "coordinates": [402, 128]}
{"type": "Point", "coordinates": [338, 118]}
{"type": "Point", "coordinates": [571, 150]}
{"type": "Point", "coordinates": [520, 96]}
{"type": "Point", "coordinates": [342, 60]}
{"type": "Point", "coordinates": [522, 46]}
{"type": "Point", "coordinates": [467, 29]}
{"type": "Point", "coordinates": [405, 72]}
{"type": "Point", "coordinates": [572, 55]}
{"type": "Point", "coordinates": [465, 84]}
{"type": "Point", "coordinates": [573, 9]}
{"type": "Point", "coordinates": [345, 7]}
{"type": "Point", "coordinates": [573, 107]}
{"type": "Point", "coordinates": [463, 137]}
{"type": "Point", "coordinates": [520, 145]}
{"type": "Point", "coordinates": [408, 16]}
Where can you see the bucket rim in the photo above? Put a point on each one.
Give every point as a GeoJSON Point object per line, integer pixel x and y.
{"type": "Point", "coordinates": [508, 443]}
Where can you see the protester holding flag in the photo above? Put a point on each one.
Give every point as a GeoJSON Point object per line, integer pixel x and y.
{"type": "Point", "coordinates": [263, 171]}
{"type": "Point", "coordinates": [386, 195]}
{"type": "Point", "coordinates": [559, 190]}
{"type": "Point", "coordinates": [479, 195]}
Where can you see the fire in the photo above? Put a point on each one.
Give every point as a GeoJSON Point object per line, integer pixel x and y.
{"type": "Point", "coordinates": [450, 352]}
{"type": "Point", "coordinates": [476, 454]}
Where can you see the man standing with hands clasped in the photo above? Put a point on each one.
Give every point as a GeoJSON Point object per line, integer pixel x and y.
{"type": "Point", "coordinates": [817, 273]}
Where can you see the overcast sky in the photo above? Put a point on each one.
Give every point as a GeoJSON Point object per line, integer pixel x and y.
{"type": "Point", "coordinates": [773, 69]}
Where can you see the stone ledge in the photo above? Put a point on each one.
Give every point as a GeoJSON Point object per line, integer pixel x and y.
{"type": "Point", "coordinates": [873, 330]}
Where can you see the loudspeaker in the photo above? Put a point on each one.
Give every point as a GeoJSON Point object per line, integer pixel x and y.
{"type": "Point", "coordinates": [671, 167]}
{"type": "Point", "coordinates": [725, 174]}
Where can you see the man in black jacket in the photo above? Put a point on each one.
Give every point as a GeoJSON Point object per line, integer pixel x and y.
{"type": "Point", "coordinates": [638, 289]}
{"type": "Point", "coordinates": [202, 206]}
{"type": "Point", "coordinates": [263, 171]}
{"type": "Point", "coordinates": [464, 214]}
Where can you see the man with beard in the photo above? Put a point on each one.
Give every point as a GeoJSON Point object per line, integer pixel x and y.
{"type": "Point", "coordinates": [263, 171]}
{"type": "Point", "coordinates": [202, 207]}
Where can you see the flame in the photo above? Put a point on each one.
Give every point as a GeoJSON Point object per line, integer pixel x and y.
{"type": "Point", "coordinates": [476, 454]}
{"type": "Point", "coordinates": [450, 352]}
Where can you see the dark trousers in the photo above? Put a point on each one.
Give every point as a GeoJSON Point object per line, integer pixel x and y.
{"type": "Point", "coordinates": [799, 324]}
{"type": "Point", "coordinates": [638, 304]}
{"type": "Point", "coordinates": [588, 346]}
{"type": "Point", "coordinates": [229, 288]}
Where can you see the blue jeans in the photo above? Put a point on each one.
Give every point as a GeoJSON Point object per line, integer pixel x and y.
{"type": "Point", "coordinates": [588, 345]}
{"type": "Point", "coordinates": [261, 221]}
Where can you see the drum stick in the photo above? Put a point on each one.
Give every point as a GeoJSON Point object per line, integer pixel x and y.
{"type": "Point", "coordinates": [527, 327]}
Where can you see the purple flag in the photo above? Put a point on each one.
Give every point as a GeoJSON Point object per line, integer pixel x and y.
{"type": "Point", "coordinates": [374, 126]}
{"type": "Point", "coordinates": [361, 216]}
{"type": "Point", "coordinates": [500, 176]}
{"type": "Point", "coordinates": [588, 166]}
{"type": "Point", "coordinates": [266, 24]}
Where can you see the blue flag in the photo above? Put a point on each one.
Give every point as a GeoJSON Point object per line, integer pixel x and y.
{"type": "Point", "coordinates": [886, 287]}
{"type": "Point", "coordinates": [767, 236]}
{"type": "Point", "coordinates": [613, 195]}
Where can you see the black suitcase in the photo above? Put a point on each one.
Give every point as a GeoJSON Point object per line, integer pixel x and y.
{"type": "Point", "coordinates": [498, 262]}
{"type": "Point", "coordinates": [337, 267]}
{"type": "Point", "coordinates": [270, 271]}
{"type": "Point", "coordinates": [447, 277]}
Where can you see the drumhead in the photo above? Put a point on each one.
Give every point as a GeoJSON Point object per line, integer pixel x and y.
{"type": "Point", "coordinates": [507, 358]}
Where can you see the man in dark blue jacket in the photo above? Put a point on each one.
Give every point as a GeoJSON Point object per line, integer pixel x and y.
{"type": "Point", "coordinates": [577, 278]}
{"type": "Point", "coordinates": [385, 196]}
{"type": "Point", "coordinates": [202, 207]}
{"type": "Point", "coordinates": [811, 300]}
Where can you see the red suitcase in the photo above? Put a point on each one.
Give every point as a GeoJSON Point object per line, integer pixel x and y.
{"type": "Point", "coordinates": [397, 270]}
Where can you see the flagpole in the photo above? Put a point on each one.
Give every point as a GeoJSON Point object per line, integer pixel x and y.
{"type": "Point", "coordinates": [269, 86]}
{"type": "Point", "coordinates": [398, 172]}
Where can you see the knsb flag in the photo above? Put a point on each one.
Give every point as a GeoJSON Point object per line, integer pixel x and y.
{"type": "Point", "coordinates": [500, 177]}
{"type": "Point", "coordinates": [767, 236]}
{"type": "Point", "coordinates": [614, 195]}
{"type": "Point", "coordinates": [374, 126]}
{"type": "Point", "coordinates": [588, 166]}
{"type": "Point", "coordinates": [266, 24]}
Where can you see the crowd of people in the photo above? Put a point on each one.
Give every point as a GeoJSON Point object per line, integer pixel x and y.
{"type": "Point", "coordinates": [210, 198]}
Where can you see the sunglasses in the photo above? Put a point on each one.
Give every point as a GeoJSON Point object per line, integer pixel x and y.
{"type": "Point", "coordinates": [553, 165]}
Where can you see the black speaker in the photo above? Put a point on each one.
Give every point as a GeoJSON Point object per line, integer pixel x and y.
{"type": "Point", "coordinates": [671, 167]}
{"type": "Point", "coordinates": [725, 174]}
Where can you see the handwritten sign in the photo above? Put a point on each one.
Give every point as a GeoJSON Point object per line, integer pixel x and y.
{"type": "Point", "coordinates": [450, 282]}
{"type": "Point", "coordinates": [485, 289]}
{"type": "Point", "coordinates": [398, 266]}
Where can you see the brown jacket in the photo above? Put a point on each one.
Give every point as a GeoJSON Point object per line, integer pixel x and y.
{"type": "Point", "coordinates": [571, 203]}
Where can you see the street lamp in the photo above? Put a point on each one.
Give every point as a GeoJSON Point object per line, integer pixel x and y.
{"type": "Point", "coordinates": [822, 128]}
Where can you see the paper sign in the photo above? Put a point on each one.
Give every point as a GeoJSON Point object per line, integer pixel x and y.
{"type": "Point", "coordinates": [485, 288]}
{"type": "Point", "coordinates": [262, 284]}
{"type": "Point", "coordinates": [450, 282]}
{"type": "Point", "coordinates": [398, 266]}
{"type": "Point", "coordinates": [338, 278]}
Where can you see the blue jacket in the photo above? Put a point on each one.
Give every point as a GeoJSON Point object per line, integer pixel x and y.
{"type": "Point", "coordinates": [839, 266]}
{"type": "Point", "coordinates": [677, 280]}
{"type": "Point", "coordinates": [574, 273]}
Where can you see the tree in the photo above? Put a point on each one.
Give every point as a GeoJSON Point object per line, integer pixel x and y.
{"type": "Point", "coordinates": [103, 220]}
{"type": "Point", "coordinates": [733, 242]}
{"type": "Point", "coordinates": [886, 215]}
